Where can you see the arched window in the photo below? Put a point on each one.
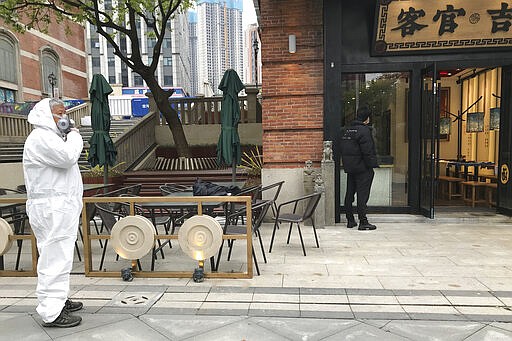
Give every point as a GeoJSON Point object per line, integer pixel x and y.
{"type": "Point", "coordinates": [50, 65]}
{"type": "Point", "coordinates": [8, 69]}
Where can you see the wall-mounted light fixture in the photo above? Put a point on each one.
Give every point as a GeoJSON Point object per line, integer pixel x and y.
{"type": "Point", "coordinates": [292, 43]}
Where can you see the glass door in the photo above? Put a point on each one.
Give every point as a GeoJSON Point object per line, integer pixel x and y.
{"type": "Point", "coordinates": [429, 138]}
{"type": "Point", "coordinates": [504, 200]}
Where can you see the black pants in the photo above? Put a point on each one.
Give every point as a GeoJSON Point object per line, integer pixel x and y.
{"type": "Point", "coordinates": [359, 183]}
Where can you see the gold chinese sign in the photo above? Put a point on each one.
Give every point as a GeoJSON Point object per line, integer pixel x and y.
{"type": "Point", "coordinates": [504, 174]}
{"type": "Point", "coordinates": [424, 25]}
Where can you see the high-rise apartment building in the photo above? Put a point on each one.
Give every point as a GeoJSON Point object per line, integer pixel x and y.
{"type": "Point", "coordinates": [219, 41]}
{"type": "Point", "coordinates": [252, 70]}
{"type": "Point", "coordinates": [194, 74]}
{"type": "Point", "coordinates": [174, 64]}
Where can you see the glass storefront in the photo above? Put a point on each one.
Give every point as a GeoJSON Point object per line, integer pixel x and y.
{"type": "Point", "coordinates": [387, 96]}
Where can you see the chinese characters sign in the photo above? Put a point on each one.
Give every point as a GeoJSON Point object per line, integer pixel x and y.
{"type": "Point", "coordinates": [426, 25]}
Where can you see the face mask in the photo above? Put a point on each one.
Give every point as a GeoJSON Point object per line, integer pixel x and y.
{"type": "Point", "coordinates": [64, 124]}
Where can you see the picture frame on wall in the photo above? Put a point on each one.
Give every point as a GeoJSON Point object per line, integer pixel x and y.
{"type": "Point", "coordinates": [444, 127]}
{"type": "Point", "coordinates": [444, 114]}
{"type": "Point", "coordinates": [475, 122]}
{"type": "Point", "coordinates": [494, 123]}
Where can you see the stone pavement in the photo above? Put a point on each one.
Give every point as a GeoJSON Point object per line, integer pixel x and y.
{"type": "Point", "coordinates": [411, 279]}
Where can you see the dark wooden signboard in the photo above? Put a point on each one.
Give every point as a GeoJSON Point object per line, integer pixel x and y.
{"type": "Point", "coordinates": [415, 26]}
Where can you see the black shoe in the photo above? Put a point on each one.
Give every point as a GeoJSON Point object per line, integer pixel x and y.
{"type": "Point", "coordinates": [64, 320]}
{"type": "Point", "coordinates": [364, 225]}
{"type": "Point", "coordinates": [351, 224]}
{"type": "Point", "coordinates": [73, 305]}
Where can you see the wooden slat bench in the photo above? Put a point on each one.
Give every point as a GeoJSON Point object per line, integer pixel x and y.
{"type": "Point", "coordinates": [450, 186]}
{"type": "Point", "coordinates": [473, 188]}
{"type": "Point", "coordinates": [490, 193]}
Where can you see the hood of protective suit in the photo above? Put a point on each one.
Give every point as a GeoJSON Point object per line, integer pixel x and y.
{"type": "Point", "coordinates": [50, 161]}
{"type": "Point", "coordinates": [41, 116]}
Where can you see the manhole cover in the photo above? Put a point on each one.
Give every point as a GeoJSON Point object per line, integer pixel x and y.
{"type": "Point", "coordinates": [134, 300]}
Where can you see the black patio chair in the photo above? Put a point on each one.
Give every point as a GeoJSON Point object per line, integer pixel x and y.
{"type": "Point", "coordinates": [252, 192]}
{"type": "Point", "coordinates": [276, 187]}
{"type": "Point", "coordinates": [231, 228]}
{"type": "Point", "coordinates": [17, 217]}
{"type": "Point", "coordinates": [311, 202]}
{"type": "Point", "coordinates": [109, 219]}
{"type": "Point", "coordinates": [179, 187]}
{"type": "Point", "coordinates": [5, 191]}
{"type": "Point", "coordinates": [161, 217]}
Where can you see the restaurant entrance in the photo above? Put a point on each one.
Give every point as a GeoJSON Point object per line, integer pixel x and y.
{"type": "Point", "coordinates": [464, 162]}
{"type": "Point", "coordinates": [441, 101]}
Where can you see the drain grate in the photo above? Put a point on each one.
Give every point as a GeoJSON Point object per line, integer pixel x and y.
{"type": "Point", "coordinates": [134, 300]}
{"type": "Point", "coordinates": [139, 299]}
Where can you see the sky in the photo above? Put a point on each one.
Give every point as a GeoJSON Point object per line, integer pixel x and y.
{"type": "Point", "coordinates": [248, 15]}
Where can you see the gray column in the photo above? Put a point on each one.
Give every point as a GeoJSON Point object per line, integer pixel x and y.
{"type": "Point", "coordinates": [319, 216]}
{"type": "Point", "coordinates": [328, 178]}
{"type": "Point", "coordinates": [252, 93]}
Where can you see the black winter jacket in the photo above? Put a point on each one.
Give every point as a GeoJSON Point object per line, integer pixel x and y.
{"type": "Point", "coordinates": [358, 148]}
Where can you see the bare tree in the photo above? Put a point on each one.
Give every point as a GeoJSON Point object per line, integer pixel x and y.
{"type": "Point", "coordinates": [114, 23]}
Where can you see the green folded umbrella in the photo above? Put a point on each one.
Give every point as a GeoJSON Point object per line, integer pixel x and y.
{"type": "Point", "coordinates": [228, 147]}
{"type": "Point", "coordinates": [102, 151]}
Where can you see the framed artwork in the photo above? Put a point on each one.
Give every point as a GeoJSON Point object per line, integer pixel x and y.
{"type": "Point", "coordinates": [444, 127]}
{"type": "Point", "coordinates": [444, 116]}
{"type": "Point", "coordinates": [495, 118]}
{"type": "Point", "coordinates": [475, 122]}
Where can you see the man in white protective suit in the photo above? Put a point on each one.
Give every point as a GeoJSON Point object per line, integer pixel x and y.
{"type": "Point", "coordinates": [54, 202]}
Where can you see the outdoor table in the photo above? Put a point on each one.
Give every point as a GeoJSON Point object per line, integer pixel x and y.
{"type": "Point", "coordinates": [465, 167]}
{"type": "Point", "coordinates": [95, 187]}
{"type": "Point", "coordinates": [15, 200]}
{"type": "Point", "coordinates": [10, 206]}
{"type": "Point", "coordinates": [187, 208]}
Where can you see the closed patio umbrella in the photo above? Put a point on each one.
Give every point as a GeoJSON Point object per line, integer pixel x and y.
{"type": "Point", "coordinates": [228, 147]}
{"type": "Point", "coordinates": [102, 151]}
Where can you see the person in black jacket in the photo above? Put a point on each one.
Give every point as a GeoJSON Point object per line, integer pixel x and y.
{"type": "Point", "coordinates": [359, 158]}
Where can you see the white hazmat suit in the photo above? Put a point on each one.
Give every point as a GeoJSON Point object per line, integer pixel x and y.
{"type": "Point", "coordinates": [54, 193]}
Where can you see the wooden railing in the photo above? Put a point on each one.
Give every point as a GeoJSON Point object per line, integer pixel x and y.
{"type": "Point", "coordinates": [206, 110]}
{"type": "Point", "coordinates": [132, 143]}
{"type": "Point", "coordinates": [76, 113]}
{"type": "Point", "coordinates": [15, 127]}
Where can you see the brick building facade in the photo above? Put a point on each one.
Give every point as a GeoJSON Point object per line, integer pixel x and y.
{"type": "Point", "coordinates": [292, 90]}
{"type": "Point", "coordinates": [345, 58]}
{"type": "Point", "coordinates": [35, 55]}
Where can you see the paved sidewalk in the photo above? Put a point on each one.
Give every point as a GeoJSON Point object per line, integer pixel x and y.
{"type": "Point", "coordinates": [411, 279]}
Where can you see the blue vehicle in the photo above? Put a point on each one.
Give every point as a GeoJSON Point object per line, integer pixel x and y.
{"type": "Point", "coordinates": [140, 103]}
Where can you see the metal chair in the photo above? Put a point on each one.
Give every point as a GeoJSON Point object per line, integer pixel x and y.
{"type": "Point", "coordinates": [169, 189]}
{"type": "Point", "coordinates": [109, 219]}
{"type": "Point", "coordinates": [311, 201]}
{"type": "Point", "coordinates": [5, 191]}
{"type": "Point", "coordinates": [251, 191]}
{"type": "Point", "coordinates": [277, 189]}
{"type": "Point", "coordinates": [179, 187]}
{"type": "Point", "coordinates": [17, 216]}
{"type": "Point", "coordinates": [163, 217]}
{"type": "Point", "coordinates": [231, 228]}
